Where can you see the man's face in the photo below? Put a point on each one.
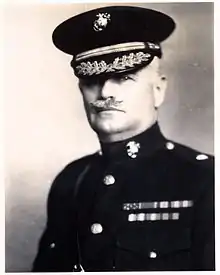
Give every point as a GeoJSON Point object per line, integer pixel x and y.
{"type": "Point", "coordinates": [125, 105]}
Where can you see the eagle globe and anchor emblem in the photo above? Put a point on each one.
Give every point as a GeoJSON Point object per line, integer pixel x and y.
{"type": "Point", "coordinates": [101, 22]}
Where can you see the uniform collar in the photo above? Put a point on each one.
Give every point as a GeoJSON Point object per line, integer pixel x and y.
{"type": "Point", "coordinates": [144, 144]}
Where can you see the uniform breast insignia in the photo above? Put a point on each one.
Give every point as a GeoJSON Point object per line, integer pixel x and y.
{"type": "Point", "coordinates": [133, 149]}
{"type": "Point", "coordinates": [158, 205]}
{"type": "Point", "coordinates": [159, 216]}
{"type": "Point", "coordinates": [153, 217]}
{"type": "Point", "coordinates": [101, 22]}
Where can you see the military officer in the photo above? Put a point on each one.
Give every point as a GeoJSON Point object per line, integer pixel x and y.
{"type": "Point", "coordinates": [143, 203]}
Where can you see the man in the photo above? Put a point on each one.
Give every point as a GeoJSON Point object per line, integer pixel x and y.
{"type": "Point", "coordinates": [143, 202]}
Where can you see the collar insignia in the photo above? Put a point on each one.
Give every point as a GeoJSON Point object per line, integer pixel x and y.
{"type": "Point", "coordinates": [101, 22]}
{"type": "Point", "coordinates": [132, 149]}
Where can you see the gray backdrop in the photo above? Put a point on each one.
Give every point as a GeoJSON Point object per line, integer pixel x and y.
{"type": "Point", "coordinates": [45, 122]}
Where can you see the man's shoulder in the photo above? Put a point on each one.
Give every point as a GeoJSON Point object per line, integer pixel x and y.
{"type": "Point", "coordinates": [193, 157]}
{"type": "Point", "coordinates": [66, 179]}
{"type": "Point", "coordinates": [191, 166]}
{"type": "Point", "coordinates": [193, 169]}
{"type": "Point", "coordinates": [79, 164]}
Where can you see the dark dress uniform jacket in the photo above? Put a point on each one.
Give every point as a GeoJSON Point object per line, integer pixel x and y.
{"type": "Point", "coordinates": [143, 204]}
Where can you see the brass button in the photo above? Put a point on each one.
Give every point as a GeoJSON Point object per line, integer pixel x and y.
{"type": "Point", "coordinates": [153, 255]}
{"type": "Point", "coordinates": [96, 228]}
{"type": "Point", "coordinates": [52, 245]}
{"type": "Point", "coordinates": [201, 157]}
{"type": "Point", "coordinates": [109, 180]}
{"type": "Point", "coordinates": [170, 145]}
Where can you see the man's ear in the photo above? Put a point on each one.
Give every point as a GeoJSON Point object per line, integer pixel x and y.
{"type": "Point", "coordinates": [159, 89]}
{"type": "Point", "coordinates": [80, 85]}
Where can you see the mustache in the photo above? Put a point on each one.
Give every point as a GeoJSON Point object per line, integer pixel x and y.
{"type": "Point", "coordinates": [108, 104]}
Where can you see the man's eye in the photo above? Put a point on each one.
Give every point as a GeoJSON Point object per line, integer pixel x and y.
{"type": "Point", "coordinates": [90, 82]}
{"type": "Point", "coordinates": [125, 78]}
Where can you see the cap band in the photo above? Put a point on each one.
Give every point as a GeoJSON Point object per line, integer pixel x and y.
{"type": "Point", "coordinates": [122, 47]}
{"type": "Point", "coordinates": [120, 63]}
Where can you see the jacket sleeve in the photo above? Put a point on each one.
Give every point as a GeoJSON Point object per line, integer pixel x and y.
{"type": "Point", "coordinates": [57, 249]}
{"type": "Point", "coordinates": [203, 238]}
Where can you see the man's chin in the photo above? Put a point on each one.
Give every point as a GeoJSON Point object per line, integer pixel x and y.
{"type": "Point", "coordinates": [107, 128]}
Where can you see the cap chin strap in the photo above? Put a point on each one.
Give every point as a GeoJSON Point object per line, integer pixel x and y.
{"type": "Point", "coordinates": [122, 47]}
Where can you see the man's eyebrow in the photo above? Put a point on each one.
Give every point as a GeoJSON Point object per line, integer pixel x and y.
{"type": "Point", "coordinates": [131, 74]}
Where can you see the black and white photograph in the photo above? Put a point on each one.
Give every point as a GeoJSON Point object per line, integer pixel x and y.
{"type": "Point", "coordinates": [110, 158]}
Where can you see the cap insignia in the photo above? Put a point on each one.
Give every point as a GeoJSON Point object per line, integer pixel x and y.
{"type": "Point", "coordinates": [101, 22]}
{"type": "Point", "coordinates": [132, 149]}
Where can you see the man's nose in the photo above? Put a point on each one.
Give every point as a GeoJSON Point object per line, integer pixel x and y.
{"type": "Point", "coordinates": [108, 89]}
